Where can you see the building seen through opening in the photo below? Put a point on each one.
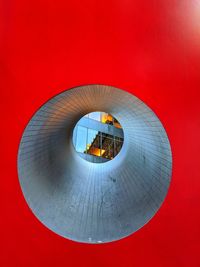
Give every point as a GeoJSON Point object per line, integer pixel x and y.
{"type": "Point", "coordinates": [98, 137]}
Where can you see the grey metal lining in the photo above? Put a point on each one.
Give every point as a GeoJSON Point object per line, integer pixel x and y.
{"type": "Point", "coordinates": [92, 202]}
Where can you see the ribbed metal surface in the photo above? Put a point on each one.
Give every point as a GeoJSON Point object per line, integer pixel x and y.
{"type": "Point", "coordinates": [91, 202]}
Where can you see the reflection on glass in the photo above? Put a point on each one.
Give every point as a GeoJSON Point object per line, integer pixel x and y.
{"type": "Point", "coordinates": [117, 145]}
{"type": "Point", "coordinates": [95, 116]}
{"type": "Point", "coordinates": [81, 137]}
{"type": "Point", "coordinates": [91, 137]}
{"type": "Point", "coordinates": [95, 147]}
{"type": "Point", "coordinates": [108, 145]}
{"type": "Point", "coordinates": [104, 118]}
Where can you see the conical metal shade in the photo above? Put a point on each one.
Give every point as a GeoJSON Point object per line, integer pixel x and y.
{"type": "Point", "coordinates": [90, 202]}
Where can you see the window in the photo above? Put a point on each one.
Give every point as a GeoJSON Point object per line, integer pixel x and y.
{"type": "Point", "coordinates": [81, 137]}
{"type": "Point", "coordinates": [93, 141]}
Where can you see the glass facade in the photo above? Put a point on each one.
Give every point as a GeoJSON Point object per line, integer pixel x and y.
{"type": "Point", "coordinates": [95, 142]}
{"type": "Point", "coordinates": [104, 118]}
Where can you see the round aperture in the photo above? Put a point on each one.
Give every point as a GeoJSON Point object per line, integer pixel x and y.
{"type": "Point", "coordinates": [106, 187]}
{"type": "Point", "coordinates": [98, 137]}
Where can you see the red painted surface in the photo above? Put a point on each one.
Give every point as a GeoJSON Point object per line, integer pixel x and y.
{"type": "Point", "coordinates": [149, 48]}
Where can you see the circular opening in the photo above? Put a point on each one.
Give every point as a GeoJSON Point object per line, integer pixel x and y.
{"type": "Point", "coordinates": [98, 137]}
{"type": "Point", "coordinates": [84, 201]}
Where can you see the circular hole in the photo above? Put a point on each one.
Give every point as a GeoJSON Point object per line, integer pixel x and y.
{"type": "Point", "coordinates": [98, 137]}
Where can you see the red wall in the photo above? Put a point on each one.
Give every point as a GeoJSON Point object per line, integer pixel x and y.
{"type": "Point", "coordinates": [149, 48]}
